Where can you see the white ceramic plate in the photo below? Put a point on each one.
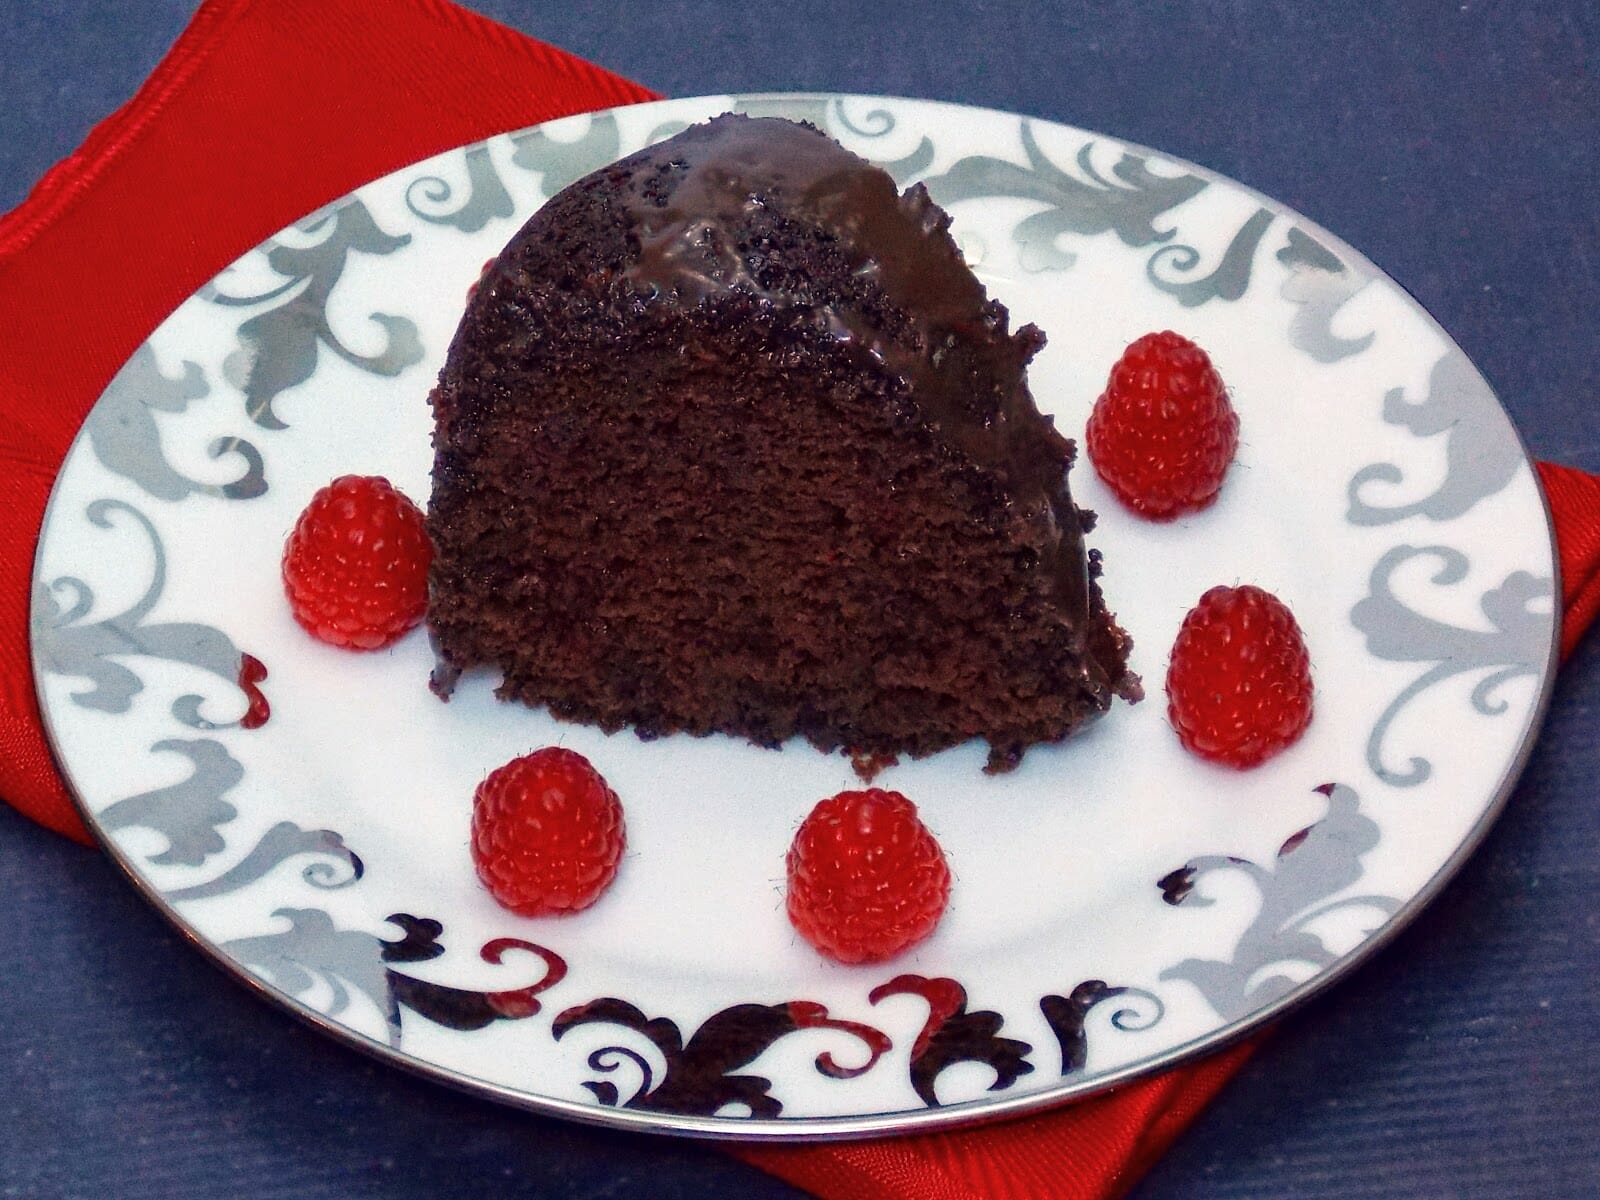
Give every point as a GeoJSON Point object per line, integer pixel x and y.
{"type": "Point", "coordinates": [1118, 905]}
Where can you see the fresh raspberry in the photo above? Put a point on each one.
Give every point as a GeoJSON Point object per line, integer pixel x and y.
{"type": "Point", "coordinates": [356, 565]}
{"type": "Point", "coordinates": [1163, 433]}
{"type": "Point", "coordinates": [547, 833]}
{"type": "Point", "coordinates": [866, 878]}
{"type": "Point", "coordinates": [1239, 684]}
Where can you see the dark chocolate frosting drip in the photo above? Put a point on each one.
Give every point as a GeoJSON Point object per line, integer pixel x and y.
{"type": "Point", "coordinates": [687, 228]}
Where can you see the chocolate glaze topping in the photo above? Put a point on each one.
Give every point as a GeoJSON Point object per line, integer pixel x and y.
{"type": "Point", "coordinates": [734, 165]}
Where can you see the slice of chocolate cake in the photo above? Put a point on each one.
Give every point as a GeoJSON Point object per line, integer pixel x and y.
{"type": "Point", "coordinates": [731, 440]}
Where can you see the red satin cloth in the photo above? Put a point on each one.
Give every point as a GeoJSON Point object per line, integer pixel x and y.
{"type": "Point", "coordinates": [262, 112]}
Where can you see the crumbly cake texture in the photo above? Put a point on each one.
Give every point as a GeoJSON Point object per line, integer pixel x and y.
{"type": "Point", "coordinates": [731, 440]}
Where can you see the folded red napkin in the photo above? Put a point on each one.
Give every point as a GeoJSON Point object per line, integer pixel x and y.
{"type": "Point", "coordinates": [159, 198]}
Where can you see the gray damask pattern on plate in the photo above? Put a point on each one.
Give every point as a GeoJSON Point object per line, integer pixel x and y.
{"type": "Point", "coordinates": [1128, 202]}
{"type": "Point", "coordinates": [1313, 867]}
{"type": "Point", "coordinates": [334, 864]}
{"type": "Point", "coordinates": [298, 849]}
{"type": "Point", "coordinates": [1141, 206]}
{"type": "Point", "coordinates": [1515, 645]}
{"type": "Point", "coordinates": [560, 163]}
{"type": "Point", "coordinates": [126, 436]}
{"type": "Point", "coordinates": [278, 347]}
{"type": "Point", "coordinates": [1477, 462]}
{"type": "Point", "coordinates": [487, 199]}
{"type": "Point", "coordinates": [1226, 281]}
{"type": "Point", "coordinates": [1320, 282]}
{"type": "Point", "coordinates": [65, 643]}
{"type": "Point", "coordinates": [190, 813]}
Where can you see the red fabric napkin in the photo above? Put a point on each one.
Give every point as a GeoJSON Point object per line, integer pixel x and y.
{"type": "Point", "coordinates": [326, 95]}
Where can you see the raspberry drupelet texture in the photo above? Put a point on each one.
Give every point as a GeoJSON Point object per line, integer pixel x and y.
{"type": "Point", "coordinates": [1163, 432]}
{"type": "Point", "coordinates": [866, 878]}
{"type": "Point", "coordinates": [547, 833]}
{"type": "Point", "coordinates": [355, 567]}
{"type": "Point", "coordinates": [1239, 684]}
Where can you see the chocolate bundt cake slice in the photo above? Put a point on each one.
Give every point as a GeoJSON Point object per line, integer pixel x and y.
{"type": "Point", "coordinates": [731, 440]}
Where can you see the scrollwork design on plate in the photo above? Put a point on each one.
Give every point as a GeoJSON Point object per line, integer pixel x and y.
{"type": "Point", "coordinates": [462, 1008]}
{"type": "Point", "coordinates": [252, 674]}
{"type": "Point", "coordinates": [558, 163]}
{"type": "Point", "coordinates": [1296, 891]}
{"type": "Point", "coordinates": [1320, 283]}
{"type": "Point", "coordinates": [950, 1034]}
{"type": "Point", "coordinates": [880, 122]}
{"type": "Point", "coordinates": [1480, 459]}
{"type": "Point", "coordinates": [278, 348]}
{"type": "Point", "coordinates": [336, 865]}
{"type": "Point", "coordinates": [1228, 280]}
{"type": "Point", "coordinates": [125, 437]}
{"type": "Point", "coordinates": [701, 1076]}
{"type": "Point", "coordinates": [66, 643]}
{"type": "Point", "coordinates": [1515, 645]}
{"type": "Point", "coordinates": [314, 949]}
{"type": "Point", "coordinates": [1126, 203]}
{"type": "Point", "coordinates": [487, 198]}
{"type": "Point", "coordinates": [189, 813]}
{"type": "Point", "coordinates": [1068, 1016]}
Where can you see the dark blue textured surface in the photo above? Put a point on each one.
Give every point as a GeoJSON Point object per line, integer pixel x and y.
{"type": "Point", "coordinates": [1458, 145]}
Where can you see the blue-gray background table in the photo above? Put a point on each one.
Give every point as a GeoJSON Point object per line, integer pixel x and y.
{"type": "Point", "coordinates": [1457, 144]}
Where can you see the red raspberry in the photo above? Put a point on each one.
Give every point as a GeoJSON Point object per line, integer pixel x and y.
{"type": "Point", "coordinates": [547, 833]}
{"type": "Point", "coordinates": [866, 878]}
{"type": "Point", "coordinates": [1239, 684]}
{"type": "Point", "coordinates": [1163, 433]}
{"type": "Point", "coordinates": [356, 565]}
